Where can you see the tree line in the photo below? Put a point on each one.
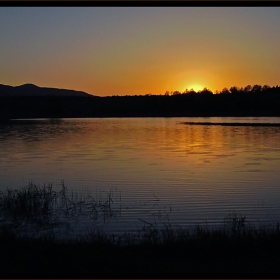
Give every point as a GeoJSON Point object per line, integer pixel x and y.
{"type": "Point", "coordinates": [231, 90]}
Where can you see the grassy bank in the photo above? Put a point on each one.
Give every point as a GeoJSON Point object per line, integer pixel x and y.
{"type": "Point", "coordinates": [235, 247]}
{"type": "Point", "coordinates": [182, 251]}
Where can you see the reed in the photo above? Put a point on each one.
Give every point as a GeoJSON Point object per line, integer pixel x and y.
{"type": "Point", "coordinates": [38, 207]}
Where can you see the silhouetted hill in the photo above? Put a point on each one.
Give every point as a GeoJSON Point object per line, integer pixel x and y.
{"type": "Point", "coordinates": [33, 90]}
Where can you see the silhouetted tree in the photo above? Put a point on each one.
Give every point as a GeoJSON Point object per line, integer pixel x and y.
{"type": "Point", "coordinates": [234, 90]}
{"type": "Point", "coordinates": [265, 87]}
{"type": "Point", "coordinates": [256, 88]}
{"type": "Point", "coordinates": [248, 88]}
{"type": "Point", "coordinates": [176, 92]}
{"type": "Point", "coordinates": [225, 91]}
{"type": "Point", "coordinates": [206, 92]}
{"type": "Point", "coordinates": [192, 91]}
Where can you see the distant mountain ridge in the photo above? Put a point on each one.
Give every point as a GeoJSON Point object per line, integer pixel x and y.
{"type": "Point", "coordinates": [33, 90]}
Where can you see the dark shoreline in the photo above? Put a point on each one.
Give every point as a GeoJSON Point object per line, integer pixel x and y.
{"type": "Point", "coordinates": [31, 101]}
{"type": "Point", "coordinates": [263, 104]}
{"type": "Point", "coordinates": [202, 251]}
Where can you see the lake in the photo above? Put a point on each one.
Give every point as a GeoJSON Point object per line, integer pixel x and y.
{"type": "Point", "coordinates": [158, 170]}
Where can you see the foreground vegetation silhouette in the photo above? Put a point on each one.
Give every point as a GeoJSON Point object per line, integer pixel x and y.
{"type": "Point", "coordinates": [248, 101]}
{"type": "Point", "coordinates": [235, 247]}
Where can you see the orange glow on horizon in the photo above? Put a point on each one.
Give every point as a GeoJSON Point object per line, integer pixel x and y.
{"type": "Point", "coordinates": [196, 87]}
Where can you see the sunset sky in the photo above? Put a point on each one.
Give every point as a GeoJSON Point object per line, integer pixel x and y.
{"type": "Point", "coordinates": [139, 50]}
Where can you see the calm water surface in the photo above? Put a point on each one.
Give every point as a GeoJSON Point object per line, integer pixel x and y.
{"type": "Point", "coordinates": [162, 169]}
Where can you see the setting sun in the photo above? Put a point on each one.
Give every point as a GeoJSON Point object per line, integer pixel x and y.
{"type": "Point", "coordinates": [196, 87]}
